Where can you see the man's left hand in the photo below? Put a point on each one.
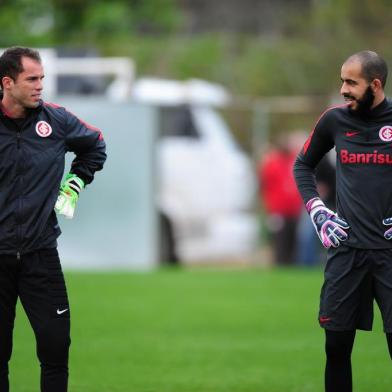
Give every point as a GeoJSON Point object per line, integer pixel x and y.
{"type": "Point", "coordinates": [69, 195]}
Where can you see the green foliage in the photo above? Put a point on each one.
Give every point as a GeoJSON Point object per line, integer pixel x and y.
{"type": "Point", "coordinates": [26, 22]}
{"type": "Point", "coordinates": [197, 58]}
{"type": "Point", "coordinates": [304, 58]}
{"type": "Point", "coordinates": [90, 21]}
{"type": "Point", "coordinates": [156, 16]}
{"type": "Point", "coordinates": [107, 19]}
{"type": "Point", "coordinates": [247, 65]}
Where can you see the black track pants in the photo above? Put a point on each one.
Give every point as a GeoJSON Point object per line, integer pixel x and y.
{"type": "Point", "coordinates": [37, 279]}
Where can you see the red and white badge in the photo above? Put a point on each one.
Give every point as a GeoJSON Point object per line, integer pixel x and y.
{"type": "Point", "coordinates": [386, 133]}
{"type": "Point", "coordinates": [43, 129]}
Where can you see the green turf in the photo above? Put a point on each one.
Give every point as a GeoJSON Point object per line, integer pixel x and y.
{"type": "Point", "coordinates": [198, 331]}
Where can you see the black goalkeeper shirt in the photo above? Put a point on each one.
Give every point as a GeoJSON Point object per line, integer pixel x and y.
{"type": "Point", "coordinates": [363, 146]}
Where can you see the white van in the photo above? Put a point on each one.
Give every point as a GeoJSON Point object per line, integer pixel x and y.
{"type": "Point", "coordinates": [206, 185]}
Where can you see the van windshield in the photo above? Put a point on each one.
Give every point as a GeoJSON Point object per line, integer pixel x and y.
{"type": "Point", "coordinates": [212, 126]}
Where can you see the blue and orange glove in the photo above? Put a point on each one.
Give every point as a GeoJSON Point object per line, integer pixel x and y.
{"type": "Point", "coordinates": [329, 227]}
{"type": "Point", "coordinates": [68, 195]}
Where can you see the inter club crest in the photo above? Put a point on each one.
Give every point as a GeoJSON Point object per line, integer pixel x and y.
{"type": "Point", "coordinates": [386, 133]}
{"type": "Point", "coordinates": [44, 129]}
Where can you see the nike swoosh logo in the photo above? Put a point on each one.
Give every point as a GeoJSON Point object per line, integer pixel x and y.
{"type": "Point", "coordinates": [324, 319]}
{"type": "Point", "coordinates": [349, 134]}
{"type": "Point", "coordinates": [61, 311]}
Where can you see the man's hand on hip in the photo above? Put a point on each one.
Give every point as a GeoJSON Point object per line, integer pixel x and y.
{"type": "Point", "coordinates": [329, 227]}
{"type": "Point", "coordinates": [69, 195]}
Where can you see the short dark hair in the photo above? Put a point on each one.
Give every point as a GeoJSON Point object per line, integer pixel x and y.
{"type": "Point", "coordinates": [11, 61]}
{"type": "Point", "coordinates": [373, 66]}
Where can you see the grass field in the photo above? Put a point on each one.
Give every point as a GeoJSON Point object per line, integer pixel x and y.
{"type": "Point", "coordinates": [200, 330]}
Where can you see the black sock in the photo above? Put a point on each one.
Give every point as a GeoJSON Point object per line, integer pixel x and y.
{"type": "Point", "coordinates": [338, 348]}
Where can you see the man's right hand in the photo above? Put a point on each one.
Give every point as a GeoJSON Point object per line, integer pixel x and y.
{"type": "Point", "coordinates": [329, 227]}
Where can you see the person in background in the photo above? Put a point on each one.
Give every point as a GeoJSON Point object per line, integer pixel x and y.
{"type": "Point", "coordinates": [280, 199]}
{"type": "Point", "coordinates": [34, 138]}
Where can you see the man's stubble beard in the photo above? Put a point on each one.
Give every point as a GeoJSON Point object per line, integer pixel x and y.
{"type": "Point", "coordinates": [365, 103]}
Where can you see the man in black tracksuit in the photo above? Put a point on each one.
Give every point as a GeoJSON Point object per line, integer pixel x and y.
{"type": "Point", "coordinates": [358, 270]}
{"type": "Point", "coordinates": [34, 138]}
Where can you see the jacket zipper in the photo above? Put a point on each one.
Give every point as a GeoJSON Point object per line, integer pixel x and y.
{"type": "Point", "coordinates": [18, 130]}
{"type": "Point", "coordinates": [18, 228]}
{"type": "Point", "coordinates": [18, 139]}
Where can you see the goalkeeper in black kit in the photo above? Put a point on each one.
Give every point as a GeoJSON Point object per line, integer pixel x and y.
{"type": "Point", "coordinates": [359, 234]}
{"type": "Point", "coordinates": [34, 138]}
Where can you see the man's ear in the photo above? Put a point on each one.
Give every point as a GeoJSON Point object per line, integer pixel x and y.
{"type": "Point", "coordinates": [7, 82]}
{"type": "Point", "coordinates": [376, 85]}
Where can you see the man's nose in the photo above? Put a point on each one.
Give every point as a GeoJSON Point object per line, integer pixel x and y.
{"type": "Point", "coordinates": [344, 89]}
{"type": "Point", "coordinates": [39, 85]}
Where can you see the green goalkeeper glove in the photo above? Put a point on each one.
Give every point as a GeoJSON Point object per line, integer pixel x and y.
{"type": "Point", "coordinates": [68, 195]}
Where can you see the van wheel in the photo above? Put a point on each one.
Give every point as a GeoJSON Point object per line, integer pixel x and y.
{"type": "Point", "coordinates": [167, 248]}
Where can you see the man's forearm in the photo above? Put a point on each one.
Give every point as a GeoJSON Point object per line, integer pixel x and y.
{"type": "Point", "coordinates": [305, 179]}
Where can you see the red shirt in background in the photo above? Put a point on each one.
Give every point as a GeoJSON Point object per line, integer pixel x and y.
{"type": "Point", "coordinates": [278, 191]}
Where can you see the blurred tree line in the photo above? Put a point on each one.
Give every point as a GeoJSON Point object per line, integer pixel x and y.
{"type": "Point", "coordinates": [255, 47]}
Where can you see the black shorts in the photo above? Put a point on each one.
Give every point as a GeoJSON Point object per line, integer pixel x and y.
{"type": "Point", "coordinates": [353, 279]}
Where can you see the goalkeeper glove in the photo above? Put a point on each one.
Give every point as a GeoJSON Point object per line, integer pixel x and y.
{"type": "Point", "coordinates": [69, 195]}
{"type": "Point", "coordinates": [329, 227]}
{"type": "Point", "coordinates": [388, 233]}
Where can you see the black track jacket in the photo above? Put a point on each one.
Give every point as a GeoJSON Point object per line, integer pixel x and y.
{"type": "Point", "coordinates": [363, 169]}
{"type": "Point", "coordinates": [32, 154]}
